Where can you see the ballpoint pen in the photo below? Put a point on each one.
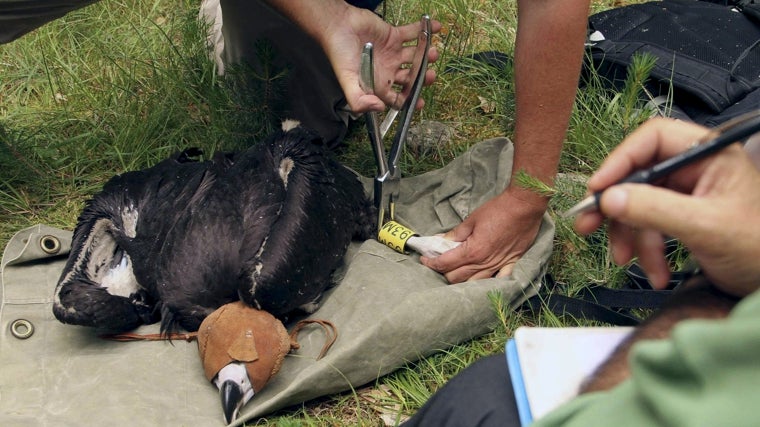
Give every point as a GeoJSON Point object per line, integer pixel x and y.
{"type": "Point", "coordinates": [721, 136]}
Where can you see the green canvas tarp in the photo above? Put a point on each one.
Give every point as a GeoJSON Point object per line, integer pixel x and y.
{"type": "Point", "coordinates": [387, 307]}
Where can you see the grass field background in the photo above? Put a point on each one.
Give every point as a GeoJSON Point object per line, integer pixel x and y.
{"type": "Point", "coordinates": [122, 84]}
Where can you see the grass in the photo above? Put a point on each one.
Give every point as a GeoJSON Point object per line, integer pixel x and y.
{"type": "Point", "coordinates": [123, 84]}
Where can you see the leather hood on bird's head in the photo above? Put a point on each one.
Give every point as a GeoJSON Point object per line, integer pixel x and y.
{"type": "Point", "coordinates": [238, 333]}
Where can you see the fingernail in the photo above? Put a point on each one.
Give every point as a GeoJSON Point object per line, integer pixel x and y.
{"type": "Point", "coordinates": [615, 200]}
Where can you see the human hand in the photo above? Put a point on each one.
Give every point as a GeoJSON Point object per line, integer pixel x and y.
{"type": "Point", "coordinates": [493, 238]}
{"type": "Point", "coordinates": [343, 45]}
{"type": "Point", "coordinates": [712, 206]}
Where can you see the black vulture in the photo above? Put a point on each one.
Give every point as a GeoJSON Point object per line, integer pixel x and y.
{"type": "Point", "coordinates": [174, 242]}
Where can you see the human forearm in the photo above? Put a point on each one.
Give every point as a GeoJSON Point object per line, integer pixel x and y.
{"type": "Point", "coordinates": [548, 57]}
{"type": "Point", "coordinates": [314, 17]}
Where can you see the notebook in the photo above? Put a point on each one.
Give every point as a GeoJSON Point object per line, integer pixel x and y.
{"type": "Point", "coordinates": [548, 365]}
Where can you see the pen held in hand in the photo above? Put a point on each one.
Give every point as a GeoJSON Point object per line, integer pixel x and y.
{"type": "Point", "coordinates": [720, 137]}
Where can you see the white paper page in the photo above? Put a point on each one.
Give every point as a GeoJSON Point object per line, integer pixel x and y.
{"type": "Point", "coordinates": [555, 361]}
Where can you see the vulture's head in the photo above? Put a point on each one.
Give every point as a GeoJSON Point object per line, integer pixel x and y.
{"type": "Point", "coordinates": [241, 349]}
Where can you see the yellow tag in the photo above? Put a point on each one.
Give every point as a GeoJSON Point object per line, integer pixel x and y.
{"type": "Point", "coordinates": [394, 235]}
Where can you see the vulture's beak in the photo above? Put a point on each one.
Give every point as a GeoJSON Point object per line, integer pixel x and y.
{"type": "Point", "coordinates": [235, 390]}
{"type": "Point", "coordinates": [232, 400]}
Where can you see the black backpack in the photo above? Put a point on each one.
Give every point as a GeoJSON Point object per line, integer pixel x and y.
{"type": "Point", "coordinates": [708, 51]}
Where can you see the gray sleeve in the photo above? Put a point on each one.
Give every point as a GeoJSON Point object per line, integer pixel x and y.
{"type": "Point", "coordinates": [18, 17]}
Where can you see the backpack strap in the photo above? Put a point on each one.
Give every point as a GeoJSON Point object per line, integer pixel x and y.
{"type": "Point", "coordinates": [608, 305]}
{"type": "Point", "coordinates": [585, 307]}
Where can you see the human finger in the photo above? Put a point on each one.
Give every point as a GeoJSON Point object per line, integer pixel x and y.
{"type": "Point", "coordinates": [455, 263]}
{"type": "Point", "coordinates": [506, 270]}
{"type": "Point", "coordinates": [461, 274]}
{"type": "Point", "coordinates": [587, 222]}
{"type": "Point", "coordinates": [403, 78]}
{"type": "Point", "coordinates": [648, 207]}
{"type": "Point", "coordinates": [360, 102]}
{"type": "Point", "coordinates": [430, 76]}
{"type": "Point", "coordinates": [411, 31]}
{"type": "Point", "coordinates": [621, 242]}
{"type": "Point", "coordinates": [396, 99]}
{"type": "Point", "coordinates": [446, 262]}
{"type": "Point", "coordinates": [650, 251]}
{"type": "Point", "coordinates": [406, 57]}
{"type": "Point", "coordinates": [476, 273]}
{"type": "Point", "coordinates": [648, 246]}
{"type": "Point", "coordinates": [655, 140]}
{"type": "Point", "coordinates": [433, 55]}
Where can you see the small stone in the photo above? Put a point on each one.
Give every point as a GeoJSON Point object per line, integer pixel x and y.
{"type": "Point", "coordinates": [428, 135]}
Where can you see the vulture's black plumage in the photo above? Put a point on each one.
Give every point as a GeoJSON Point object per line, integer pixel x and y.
{"type": "Point", "coordinates": [176, 241]}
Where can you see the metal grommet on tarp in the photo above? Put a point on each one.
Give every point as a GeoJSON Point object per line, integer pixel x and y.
{"type": "Point", "coordinates": [22, 329]}
{"type": "Point", "coordinates": [50, 244]}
